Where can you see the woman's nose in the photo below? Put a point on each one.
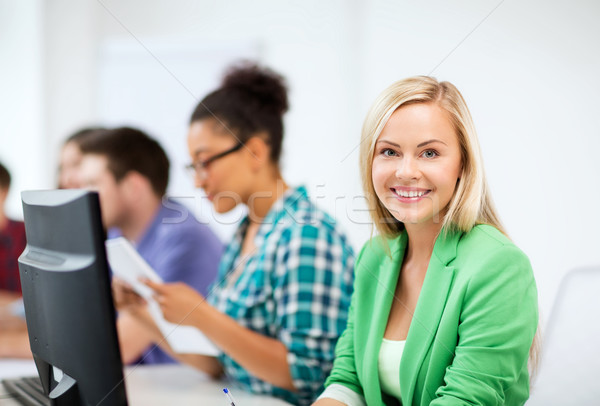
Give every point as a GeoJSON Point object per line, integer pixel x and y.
{"type": "Point", "coordinates": [199, 180]}
{"type": "Point", "coordinates": [407, 168]}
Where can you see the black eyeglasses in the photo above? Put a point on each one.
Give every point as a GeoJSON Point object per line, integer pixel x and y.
{"type": "Point", "coordinates": [199, 167]}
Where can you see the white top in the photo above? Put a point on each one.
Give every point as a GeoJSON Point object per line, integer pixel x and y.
{"type": "Point", "coordinates": [390, 355]}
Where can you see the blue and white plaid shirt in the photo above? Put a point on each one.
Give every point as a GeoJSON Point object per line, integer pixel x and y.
{"type": "Point", "coordinates": [295, 287]}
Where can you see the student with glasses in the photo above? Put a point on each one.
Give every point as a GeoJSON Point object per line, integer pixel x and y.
{"type": "Point", "coordinates": [284, 285]}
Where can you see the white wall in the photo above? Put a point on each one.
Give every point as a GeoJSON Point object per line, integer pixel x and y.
{"type": "Point", "coordinates": [22, 140]}
{"type": "Point", "coordinates": [528, 71]}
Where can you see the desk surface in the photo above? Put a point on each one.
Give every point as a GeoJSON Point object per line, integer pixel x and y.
{"type": "Point", "coordinates": [160, 385]}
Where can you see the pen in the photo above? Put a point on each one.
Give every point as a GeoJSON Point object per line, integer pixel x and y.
{"type": "Point", "coordinates": [229, 397]}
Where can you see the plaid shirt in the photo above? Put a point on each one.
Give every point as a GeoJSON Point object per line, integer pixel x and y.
{"type": "Point", "coordinates": [12, 244]}
{"type": "Point", "coordinates": [295, 287]}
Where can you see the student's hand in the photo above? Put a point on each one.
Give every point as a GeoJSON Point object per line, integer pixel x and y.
{"type": "Point", "coordinates": [177, 301]}
{"type": "Point", "coordinates": [125, 298]}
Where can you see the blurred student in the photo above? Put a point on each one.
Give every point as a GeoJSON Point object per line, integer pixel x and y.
{"type": "Point", "coordinates": [444, 310]}
{"type": "Point", "coordinates": [281, 299]}
{"type": "Point", "coordinates": [70, 159]}
{"type": "Point", "coordinates": [12, 242]}
{"type": "Point", "coordinates": [14, 342]}
{"type": "Point", "coordinates": [130, 171]}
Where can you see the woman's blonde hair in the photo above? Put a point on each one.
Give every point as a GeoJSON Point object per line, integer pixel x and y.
{"type": "Point", "coordinates": [471, 203]}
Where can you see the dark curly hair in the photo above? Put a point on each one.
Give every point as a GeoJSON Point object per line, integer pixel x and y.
{"type": "Point", "coordinates": [250, 99]}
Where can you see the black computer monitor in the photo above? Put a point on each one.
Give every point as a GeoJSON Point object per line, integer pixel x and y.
{"type": "Point", "coordinates": [68, 303]}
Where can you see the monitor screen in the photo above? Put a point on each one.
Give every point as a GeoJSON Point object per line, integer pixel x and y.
{"type": "Point", "coordinates": [68, 303]}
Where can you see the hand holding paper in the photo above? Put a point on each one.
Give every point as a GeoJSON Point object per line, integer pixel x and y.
{"type": "Point", "coordinates": [124, 296]}
{"type": "Point", "coordinates": [127, 264]}
{"type": "Point", "coordinates": [177, 301]}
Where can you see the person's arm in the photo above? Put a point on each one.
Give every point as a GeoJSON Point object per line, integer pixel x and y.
{"type": "Point", "coordinates": [497, 325]}
{"type": "Point", "coordinates": [329, 402]}
{"type": "Point", "coordinates": [7, 297]}
{"type": "Point", "coordinates": [342, 387]}
{"type": "Point", "coordinates": [312, 285]}
{"type": "Point", "coordinates": [14, 340]}
{"type": "Point", "coordinates": [312, 280]}
{"type": "Point", "coordinates": [14, 344]}
{"type": "Point", "coordinates": [134, 308]}
{"type": "Point", "coordinates": [134, 337]}
{"type": "Point", "coordinates": [344, 367]}
{"type": "Point", "coordinates": [189, 254]}
{"type": "Point", "coordinates": [207, 364]}
{"type": "Point", "coordinates": [262, 356]}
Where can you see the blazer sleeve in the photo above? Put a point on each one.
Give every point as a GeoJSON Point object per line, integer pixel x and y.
{"type": "Point", "coordinates": [344, 366]}
{"type": "Point", "coordinates": [496, 328]}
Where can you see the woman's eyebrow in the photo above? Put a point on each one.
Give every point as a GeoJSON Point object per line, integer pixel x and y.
{"type": "Point", "coordinates": [418, 146]}
{"type": "Point", "coordinates": [199, 151]}
{"type": "Point", "coordinates": [430, 142]}
{"type": "Point", "coordinates": [388, 142]}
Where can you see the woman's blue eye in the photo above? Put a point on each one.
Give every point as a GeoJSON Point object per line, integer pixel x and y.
{"type": "Point", "coordinates": [388, 152]}
{"type": "Point", "coordinates": [430, 153]}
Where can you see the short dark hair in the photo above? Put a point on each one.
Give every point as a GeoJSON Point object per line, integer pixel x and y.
{"type": "Point", "coordinates": [250, 99]}
{"type": "Point", "coordinates": [78, 136]}
{"type": "Point", "coordinates": [4, 177]}
{"type": "Point", "coordinates": [129, 149]}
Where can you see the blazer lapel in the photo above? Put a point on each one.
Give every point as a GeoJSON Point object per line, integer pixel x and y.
{"type": "Point", "coordinates": [428, 312]}
{"type": "Point", "coordinates": [386, 279]}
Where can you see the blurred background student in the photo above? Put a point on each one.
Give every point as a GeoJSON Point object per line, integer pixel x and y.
{"type": "Point", "coordinates": [281, 298]}
{"type": "Point", "coordinates": [14, 342]}
{"type": "Point", "coordinates": [70, 158]}
{"type": "Point", "coordinates": [130, 172]}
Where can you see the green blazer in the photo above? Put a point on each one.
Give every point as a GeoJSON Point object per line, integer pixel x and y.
{"type": "Point", "coordinates": [469, 339]}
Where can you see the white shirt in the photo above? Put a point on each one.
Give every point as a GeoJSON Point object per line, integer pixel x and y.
{"type": "Point", "coordinates": [390, 355]}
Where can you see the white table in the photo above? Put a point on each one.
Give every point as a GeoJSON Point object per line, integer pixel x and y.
{"type": "Point", "coordinates": [14, 368]}
{"type": "Point", "coordinates": [159, 385]}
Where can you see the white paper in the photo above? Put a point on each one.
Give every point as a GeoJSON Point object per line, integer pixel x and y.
{"type": "Point", "coordinates": [182, 339]}
{"type": "Point", "coordinates": [127, 264]}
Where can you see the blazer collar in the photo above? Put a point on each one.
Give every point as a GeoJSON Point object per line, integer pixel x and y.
{"type": "Point", "coordinates": [430, 306]}
{"type": "Point", "coordinates": [386, 278]}
{"type": "Point", "coordinates": [425, 320]}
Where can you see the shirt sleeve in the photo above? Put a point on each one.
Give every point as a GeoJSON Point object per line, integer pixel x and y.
{"type": "Point", "coordinates": [312, 291]}
{"type": "Point", "coordinates": [496, 329]}
{"type": "Point", "coordinates": [342, 394]}
{"type": "Point", "coordinates": [190, 256]}
{"type": "Point", "coordinates": [344, 366]}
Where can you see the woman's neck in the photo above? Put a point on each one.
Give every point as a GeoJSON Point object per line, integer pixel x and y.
{"type": "Point", "coordinates": [421, 240]}
{"type": "Point", "coordinates": [265, 194]}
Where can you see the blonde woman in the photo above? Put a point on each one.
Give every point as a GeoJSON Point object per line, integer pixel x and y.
{"type": "Point", "coordinates": [445, 305]}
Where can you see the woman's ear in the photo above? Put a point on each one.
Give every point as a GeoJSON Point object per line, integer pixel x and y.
{"type": "Point", "coordinates": [258, 151]}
